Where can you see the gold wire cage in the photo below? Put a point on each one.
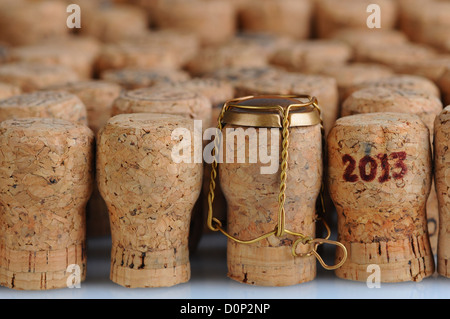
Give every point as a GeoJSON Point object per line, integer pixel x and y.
{"type": "Point", "coordinates": [304, 112]}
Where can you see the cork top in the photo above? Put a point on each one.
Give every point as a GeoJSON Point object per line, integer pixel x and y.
{"type": "Point", "coordinates": [38, 126]}
{"type": "Point", "coordinates": [380, 99]}
{"type": "Point", "coordinates": [141, 121]}
{"type": "Point", "coordinates": [134, 78]}
{"type": "Point", "coordinates": [401, 82]}
{"type": "Point", "coordinates": [384, 120]}
{"type": "Point", "coordinates": [349, 74]}
{"type": "Point", "coordinates": [37, 99]}
{"type": "Point", "coordinates": [163, 100]}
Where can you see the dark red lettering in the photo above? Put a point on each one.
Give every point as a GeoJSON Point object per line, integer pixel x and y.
{"type": "Point", "coordinates": [384, 168]}
{"type": "Point", "coordinates": [348, 173]}
{"type": "Point", "coordinates": [362, 168]}
{"type": "Point", "coordinates": [400, 156]}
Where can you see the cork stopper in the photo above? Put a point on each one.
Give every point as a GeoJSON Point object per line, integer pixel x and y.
{"type": "Point", "coordinates": [114, 23]}
{"type": "Point", "coordinates": [349, 75]}
{"type": "Point", "coordinates": [134, 78]}
{"type": "Point", "coordinates": [98, 97]}
{"type": "Point", "coordinates": [252, 201]}
{"type": "Point", "coordinates": [54, 104]}
{"type": "Point", "coordinates": [324, 88]}
{"type": "Point", "coordinates": [312, 56]}
{"type": "Point", "coordinates": [149, 223]}
{"type": "Point", "coordinates": [34, 76]}
{"type": "Point", "coordinates": [280, 17]}
{"type": "Point", "coordinates": [8, 90]}
{"type": "Point", "coordinates": [213, 21]}
{"type": "Point", "coordinates": [71, 55]}
{"type": "Point", "coordinates": [400, 82]}
{"type": "Point", "coordinates": [402, 58]}
{"type": "Point", "coordinates": [165, 100]}
{"type": "Point", "coordinates": [43, 192]}
{"type": "Point", "coordinates": [335, 15]}
{"type": "Point", "coordinates": [442, 179]}
{"type": "Point", "coordinates": [18, 21]}
{"type": "Point", "coordinates": [380, 99]}
{"type": "Point", "coordinates": [233, 55]}
{"type": "Point", "coordinates": [379, 167]}
{"type": "Point", "coordinates": [127, 54]}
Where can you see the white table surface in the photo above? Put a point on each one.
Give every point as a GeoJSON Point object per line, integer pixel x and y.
{"type": "Point", "coordinates": [209, 281]}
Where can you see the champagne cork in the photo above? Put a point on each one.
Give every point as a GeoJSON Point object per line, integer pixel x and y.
{"type": "Point", "coordinates": [358, 39]}
{"type": "Point", "coordinates": [282, 17]}
{"type": "Point", "coordinates": [8, 90]}
{"type": "Point", "coordinates": [114, 23]}
{"type": "Point", "coordinates": [442, 179]}
{"type": "Point", "coordinates": [349, 75]}
{"type": "Point", "coordinates": [149, 198]}
{"type": "Point", "coordinates": [178, 101]}
{"type": "Point", "coordinates": [181, 44]}
{"type": "Point", "coordinates": [213, 21]}
{"type": "Point", "coordinates": [322, 87]}
{"type": "Point", "coordinates": [164, 100]}
{"type": "Point", "coordinates": [25, 22]}
{"type": "Point", "coordinates": [53, 104]}
{"type": "Point", "coordinates": [135, 78]}
{"type": "Point", "coordinates": [432, 69]}
{"type": "Point", "coordinates": [34, 76]}
{"type": "Point", "coordinates": [312, 56]}
{"type": "Point", "coordinates": [135, 55]}
{"type": "Point", "coordinates": [424, 105]}
{"type": "Point", "coordinates": [233, 55]}
{"type": "Point", "coordinates": [79, 56]}
{"type": "Point", "coordinates": [332, 16]}
{"type": "Point", "coordinates": [218, 92]}
{"type": "Point", "coordinates": [380, 173]}
{"type": "Point", "coordinates": [98, 97]}
{"type": "Point", "coordinates": [402, 58]}
{"type": "Point", "coordinates": [239, 75]}
{"type": "Point", "coordinates": [400, 82]}
{"type": "Point", "coordinates": [444, 84]}
{"type": "Point", "coordinates": [45, 185]}
{"type": "Point", "coordinates": [252, 198]}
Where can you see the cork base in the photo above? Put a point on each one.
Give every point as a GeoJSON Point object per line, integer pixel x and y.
{"type": "Point", "coordinates": [406, 260]}
{"type": "Point", "coordinates": [41, 270]}
{"type": "Point", "coordinates": [150, 278]}
{"type": "Point", "coordinates": [268, 266]}
{"type": "Point", "coordinates": [164, 268]}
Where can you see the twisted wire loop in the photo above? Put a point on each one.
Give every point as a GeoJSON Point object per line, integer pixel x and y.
{"type": "Point", "coordinates": [216, 225]}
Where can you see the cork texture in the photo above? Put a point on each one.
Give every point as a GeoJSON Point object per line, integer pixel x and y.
{"type": "Point", "coordinates": [401, 82]}
{"type": "Point", "coordinates": [312, 56]}
{"type": "Point", "coordinates": [135, 78]}
{"type": "Point", "coordinates": [324, 88]}
{"type": "Point", "coordinates": [252, 200]}
{"type": "Point", "coordinates": [348, 75]}
{"type": "Point", "coordinates": [34, 76]}
{"type": "Point", "coordinates": [164, 100]}
{"type": "Point", "coordinates": [233, 55]}
{"type": "Point", "coordinates": [18, 21]}
{"type": "Point", "coordinates": [46, 179]}
{"type": "Point", "coordinates": [442, 179]}
{"type": "Point", "coordinates": [213, 21]}
{"type": "Point", "coordinates": [8, 90]}
{"type": "Point", "coordinates": [149, 198]}
{"type": "Point", "coordinates": [334, 15]}
{"type": "Point", "coordinates": [425, 105]}
{"type": "Point", "coordinates": [283, 17]}
{"type": "Point", "coordinates": [54, 104]}
{"type": "Point", "coordinates": [380, 172]}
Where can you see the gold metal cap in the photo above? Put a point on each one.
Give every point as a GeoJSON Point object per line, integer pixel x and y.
{"type": "Point", "coordinates": [268, 111]}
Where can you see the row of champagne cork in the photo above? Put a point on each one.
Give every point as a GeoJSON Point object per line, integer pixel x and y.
{"type": "Point", "coordinates": [47, 178]}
